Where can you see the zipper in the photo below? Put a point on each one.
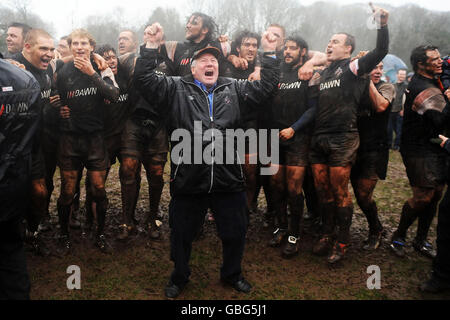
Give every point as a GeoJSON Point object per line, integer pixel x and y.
{"type": "Point", "coordinates": [211, 118]}
{"type": "Point", "coordinates": [240, 165]}
{"type": "Point", "coordinates": [176, 169]}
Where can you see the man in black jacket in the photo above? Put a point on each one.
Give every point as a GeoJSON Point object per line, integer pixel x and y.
{"type": "Point", "coordinates": [19, 120]}
{"type": "Point", "coordinates": [199, 178]}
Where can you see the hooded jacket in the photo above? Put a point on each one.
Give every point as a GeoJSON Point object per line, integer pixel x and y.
{"type": "Point", "coordinates": [186, 106]}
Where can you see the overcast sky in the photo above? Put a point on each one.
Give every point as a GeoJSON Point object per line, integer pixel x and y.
{"type": "Point", "coordinates": [136, 12]}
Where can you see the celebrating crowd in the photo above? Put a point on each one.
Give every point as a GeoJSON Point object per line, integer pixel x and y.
{"type": "Point", "coordinates": [325, 120]}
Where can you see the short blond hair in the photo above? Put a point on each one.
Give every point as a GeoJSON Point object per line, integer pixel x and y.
{"type": "Point", "coordinates": [83, 33]}
{"type": "Point", "coordinates": [34, 34]}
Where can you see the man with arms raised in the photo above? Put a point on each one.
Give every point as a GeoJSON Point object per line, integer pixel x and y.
{"type": "Point", "coordinates": [205, 101]}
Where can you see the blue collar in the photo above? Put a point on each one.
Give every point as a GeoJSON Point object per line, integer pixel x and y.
{"type": "Point", "coordinates": [202, 86]}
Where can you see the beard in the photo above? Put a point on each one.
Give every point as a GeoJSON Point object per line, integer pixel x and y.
{"type": "Point", "coordinates": [293, 63]}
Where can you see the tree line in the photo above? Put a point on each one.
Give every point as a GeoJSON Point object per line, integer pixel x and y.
{"type": "Point", "coordinates": [409, 25]}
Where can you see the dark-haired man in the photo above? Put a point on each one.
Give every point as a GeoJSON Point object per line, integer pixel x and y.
{"type": "Point", "coordinates": [396, 115]}
{"type": "Point", "coordinates": [423, 120]}
{"type": "Point", "coordinates": [247, 44]}
{"type": "Point", "coordinates": [335, 139]}
{"type": "Point", "coordinates": [15, 39]}
{"type": "Point", "coordinates": [200, 33]}
{"type": "Point", "coordinates": [291, 102]}
{"type": "Point", "coordinates": [128, 42]}
{"type": "Point", "coordinates": [144, 141]}
{"type": "Point", "coordinates": [63, 47]}
{"type": "Point", "coordinates": [373, 153]}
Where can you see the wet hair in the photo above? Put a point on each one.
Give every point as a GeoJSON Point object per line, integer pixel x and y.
{"type": "Point", "coordinates": [278, 26]}
{"type": "Point", "coordinates": [245, 34]}
{"type": "Point", "coordinates": [419, 55]}
{"type": "Point", "coordinates": [208, 23]}
{"type": "Point", "coordinates": [104, 49]}
{"type": "Point", "coordinates": [25, 28]}
{"type": "Point", "coordinates": [134, 36]}
{"type": "Point", "coordinates": [349, 41]}
{"type": "Point", "coordinates": [301, 43]}
{"type": "Point", "coordinates": [33, 34]}
{"type": "Point", "coordinates": [81, 33]}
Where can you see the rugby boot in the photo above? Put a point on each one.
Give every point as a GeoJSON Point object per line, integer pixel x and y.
{"type": "Point", "coordinates": [65, 245]}
{"type": "Point", "coordinates": [154, 231]}
{"type": "Point", "coordinates": [338, 252]}
{"type": "Point", "coordinates": [277, 237]}
{"type": "Point", "coordinates": [398, 245]}
{"type": "Point", "coordinates": [45, 225]}
{"type": "Point", "coordinates": [125, 231]}
{"type": "Point", "coordinates": [39, 246]}
{"type": "Point", "coordinates": [425, 248]}
{"type": "Point", "coordinates": [322, 247]}
{"type": "Point", "coordinates": [420, 244]}
{"type": "Point", "coordinates": [291, 248]}
{"type": "Point", "coordinates": [102, 244]}
{"type": "Point", "coordinates": [374, 241]}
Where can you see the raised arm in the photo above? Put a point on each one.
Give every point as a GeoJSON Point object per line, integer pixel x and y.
{"type": "Point", "coordinates": [370, 60]}
{"type": "Point", "coordinates": [258, 91]}
{"type": "Point", "coordinates": [155, 88]}
{"type": "Point", "coordinates": [383, 98]}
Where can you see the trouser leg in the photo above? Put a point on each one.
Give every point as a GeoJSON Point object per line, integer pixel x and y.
{"type": "Point", "coordinates": [231, 220]}
{"type": "Point", "coordinates": [186, 217]}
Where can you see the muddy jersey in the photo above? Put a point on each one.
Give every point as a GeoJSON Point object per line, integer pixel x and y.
{"type": "Point", "coordinates": [146, 111]}
{"type": "Point", "coordinates": [84, 95]}
{"type": "Point", "coordinates": [117, 113]}
{"type": "Point", "coordinates": [184, 52]}
{"type": "Point", "coordinates": [289, 104]}
{"type": "Point", "coordinates": [249, 114]}
{"type": "Point", "coordinates": [423, 117]}
{"type": "Point", "coordinates": [44, 78]}
{"type": "Point", "coordinates": [372, 125]}
{"type": "Point", "coordinates": [340, 89]}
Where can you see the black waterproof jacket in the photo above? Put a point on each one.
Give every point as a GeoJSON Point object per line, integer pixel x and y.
{"type": "Point", "coordinates": [19, 121]}
{"type": "Point", "coordinates": [182, 103]}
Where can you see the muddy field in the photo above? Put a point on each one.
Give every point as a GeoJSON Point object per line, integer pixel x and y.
{"type": "Point", "coordinates": [139, 268]}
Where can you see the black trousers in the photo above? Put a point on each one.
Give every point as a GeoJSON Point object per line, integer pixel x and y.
{"type": "Point", "coordinates": [441, 264]}
{"type": "Point", "coordinates": [186, 217]}
{"type": "Point", "coordinates": [14, 280]}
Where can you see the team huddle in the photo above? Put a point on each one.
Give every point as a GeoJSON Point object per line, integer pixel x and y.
{"type": "Point", "coordinates": [328, 111]}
